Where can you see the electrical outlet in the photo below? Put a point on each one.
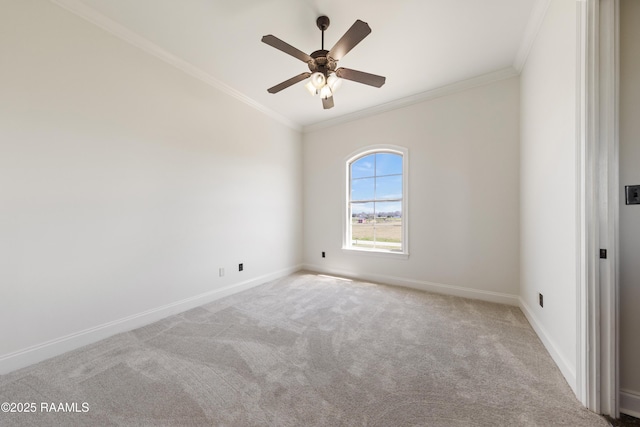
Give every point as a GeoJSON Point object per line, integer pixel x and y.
{"type": "Point", "coordinates": [240, 267]}
{"type": "Point", "coordinates": [632, 193]}
{"type": "Point", "coordinates": [221, 272]}
{"type": "Point", "coordinates": [541, 300]}
{"type": "Point", "coordinates": [322, 254]}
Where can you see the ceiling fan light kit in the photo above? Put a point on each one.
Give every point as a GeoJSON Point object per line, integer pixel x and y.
{"type": "Point", "coordinates": [324, 77]}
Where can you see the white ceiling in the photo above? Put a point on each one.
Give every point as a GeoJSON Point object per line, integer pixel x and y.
{"type": "Point", "coordinates": [418, 45]}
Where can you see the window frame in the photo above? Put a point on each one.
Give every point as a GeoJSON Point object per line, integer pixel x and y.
{"type": "Point", "coordinates": [346, 208]}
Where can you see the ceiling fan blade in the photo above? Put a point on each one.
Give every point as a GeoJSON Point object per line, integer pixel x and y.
{"type": "Point", "coordinates": [286, 48]}
{"type": "Point", "coordinates": [327, 102]}
{"type": "Point", "coordinates": [361, 77]}
{"type": "Point", "coordinates": [354, 35]}
{"type": "Point", "coordinates": [285, 84]}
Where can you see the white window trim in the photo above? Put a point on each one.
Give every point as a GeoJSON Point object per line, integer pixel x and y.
{"type": "Point", "coordinates": [346, 220]}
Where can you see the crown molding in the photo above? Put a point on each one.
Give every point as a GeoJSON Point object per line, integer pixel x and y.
{"type": "Point", "coordinates": [484, 79]}
{"type": "Point", "coordinates": [80, 9]}
{"type": "Point", "coordinates": [538, 12]}
{"type": "Point", "coordinates": [91, 15]}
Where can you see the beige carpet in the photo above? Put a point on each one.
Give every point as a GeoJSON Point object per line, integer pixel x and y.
{"type": "Point", "coordinates": [308, 350]}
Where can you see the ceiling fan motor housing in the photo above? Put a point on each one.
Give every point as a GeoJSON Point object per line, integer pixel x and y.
{"type": "Point", "coordinates": [322, 63]}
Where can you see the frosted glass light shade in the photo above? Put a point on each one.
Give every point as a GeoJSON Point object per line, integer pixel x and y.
{"type": "Point", "coordinates": [311, 88]}
{"type": "Point", "coordinates": [325, 92]}
{"type": "Point", "coordinates": [334, 82]}
{"type": "Point", "coordinates": [318, 80]}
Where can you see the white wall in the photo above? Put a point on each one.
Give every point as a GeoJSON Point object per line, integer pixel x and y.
{"type": "Point", "coordinates": [629, 215]}
{"type": "Point", "coordinates": [548, 185]}
{"type": "Point", "coordinates": [463, 193]}
{"type": "Point", "coordinates": [124, 185]}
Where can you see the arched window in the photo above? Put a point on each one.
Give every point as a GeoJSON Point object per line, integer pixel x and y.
{"type": "Point", "coordinates": [376, 214]}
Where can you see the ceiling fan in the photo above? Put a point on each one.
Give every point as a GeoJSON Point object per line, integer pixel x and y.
{"type": "Point", "coordinates": [324, 77]}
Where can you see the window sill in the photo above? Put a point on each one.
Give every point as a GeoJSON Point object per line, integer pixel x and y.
{"type": "Point", "coordinates": [377, 253]}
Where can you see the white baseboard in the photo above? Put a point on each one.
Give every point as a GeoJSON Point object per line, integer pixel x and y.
{"type": "Point", "coordinates": [567, 369]}
{"type": "Point", "coordinates": [630, 403]}
{"type": "Point", "coordinates": [37, 353]}
{"type": "Point", "coordinates": [422, 285]}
